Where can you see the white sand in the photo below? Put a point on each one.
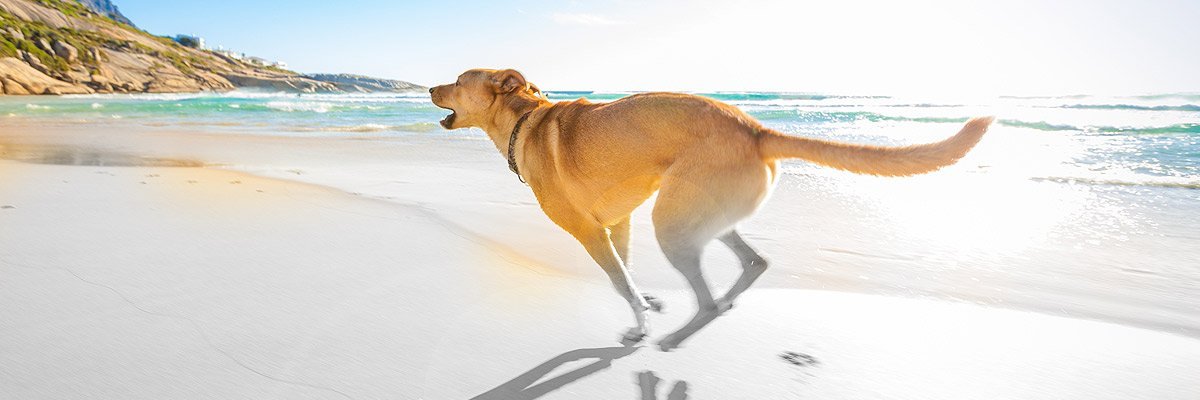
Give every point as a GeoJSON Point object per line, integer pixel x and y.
{"type": "Point", "coordinates": [153, 282]}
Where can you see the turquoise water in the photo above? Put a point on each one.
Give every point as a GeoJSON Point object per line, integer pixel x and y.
{"type": "Point", "coordinates": [1073, 205]}
{"type": "Point", "coordinates": [1151, 140]}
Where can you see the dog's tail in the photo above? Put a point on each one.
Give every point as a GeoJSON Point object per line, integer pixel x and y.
{"type": "Point", "coordinates": [876, 160]}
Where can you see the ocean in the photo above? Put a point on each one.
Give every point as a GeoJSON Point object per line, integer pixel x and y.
{"type": "Point", "coordinates": [1149, 140]}
{"type": "Point", "coordinates": [1083, 206]}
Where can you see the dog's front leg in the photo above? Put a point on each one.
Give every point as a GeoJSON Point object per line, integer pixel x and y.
{"type": "Point", "coordinates": [600, 247]}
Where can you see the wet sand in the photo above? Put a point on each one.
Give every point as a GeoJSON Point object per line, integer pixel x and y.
{"type": "Point", "coordinates": [130, 273]}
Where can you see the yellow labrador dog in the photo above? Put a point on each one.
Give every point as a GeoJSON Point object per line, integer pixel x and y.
{"type": "Point", "coordinates": [591, 164]}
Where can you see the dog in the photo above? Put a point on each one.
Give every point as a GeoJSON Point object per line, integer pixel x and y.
{"type": "Point", "coordinates": [591, 164]}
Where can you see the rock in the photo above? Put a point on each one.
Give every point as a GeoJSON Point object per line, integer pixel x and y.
{"type": "Point", "coordinates": [33, 81]}
{"type": "Point", "coordinates": [360, 83]}
{"type": "Point", "coordinates": [34, 87]}
{"type": "Point", "coordinates": [12, 87]}
{"type": "Point", "coordinates": [130, 60]}
{"type": "Point", "coordinates": [56, 90]}
{"type": "Point", "coordinates": [44, 44]}
{"type": "Point", "coordinates": [33, 11]}
{"type": "Point", "coordinates": [77, 74]}
{"type": "Point", "coordinates": [33, 61]}
{"type": "Point", "coordinates": [64, 50]}
{"type": "Point", "coordinates": [106, 8]}
{"type": "Point", "coordinates": [287, 83]}
{"type": "Point", "coordinates": [15, 33]}
{"type": "Point", "coordinates": [171, 85]}
{"type": "Point", "coordinates": [100, 79]}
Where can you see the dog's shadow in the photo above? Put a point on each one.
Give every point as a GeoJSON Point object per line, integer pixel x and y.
{"type": "Point", "coordinates": [522, 387]}
{"type": "Point", "coordinates": [648, 381]}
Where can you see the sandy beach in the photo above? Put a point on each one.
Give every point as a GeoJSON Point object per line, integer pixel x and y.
{"type": "Point", "coordinates": [266, 200]}
{"type": "Point", "coordinates": [195, 265]}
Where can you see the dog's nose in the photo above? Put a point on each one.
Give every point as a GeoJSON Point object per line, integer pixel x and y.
{"type": "Point", "coordinates": [431, 90]}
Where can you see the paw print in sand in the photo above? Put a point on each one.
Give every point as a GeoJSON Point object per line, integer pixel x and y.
{"type": "Point", "coordinates": [799, 359]}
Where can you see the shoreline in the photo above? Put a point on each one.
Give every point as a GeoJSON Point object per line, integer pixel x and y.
{"type": "Point", "coordinates": [210, 283]}
{"type": "Point", "coordinates": [475, 194]}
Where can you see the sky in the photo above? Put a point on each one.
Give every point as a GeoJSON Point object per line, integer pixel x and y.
{"type": "Point", "coordinates": [954, 47]}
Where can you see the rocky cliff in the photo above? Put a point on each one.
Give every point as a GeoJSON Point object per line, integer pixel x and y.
{"type": "Point", "coordinates": [106, 8]}
{"type": "Point", "coordinates": [366, 84]}
{"type": "Point", "coordinates": [63, 47]}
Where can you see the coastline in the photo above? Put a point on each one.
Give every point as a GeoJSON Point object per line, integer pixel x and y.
{"type": "Point", "coordinates": [53, 47]}
{"type": "Point", "coordinates": [459, 179]}
{"type": "Point", "coordinates": [143, 281]}
{"type": "Point", "coordinates": [183, 215]}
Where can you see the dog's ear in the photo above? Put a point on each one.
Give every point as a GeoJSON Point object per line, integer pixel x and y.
{"type": "Point", "coordinates": [508, 80]}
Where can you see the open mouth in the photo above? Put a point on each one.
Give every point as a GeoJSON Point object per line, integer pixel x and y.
{"type": "Point", "coordinates": [449, 120]}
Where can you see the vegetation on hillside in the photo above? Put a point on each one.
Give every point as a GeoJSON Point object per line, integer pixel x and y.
{"type": "Point", "coordinates": [86, 41]}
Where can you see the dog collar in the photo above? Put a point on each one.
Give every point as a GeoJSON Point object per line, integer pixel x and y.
{"type": "Point", "coordinates": [512, 146]}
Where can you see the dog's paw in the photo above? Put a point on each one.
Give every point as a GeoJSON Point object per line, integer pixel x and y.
{"type": "Point", "coordinates": [655, 303]}
{"type": "Point", "coordinates": [668, 343]}
{"type": "Point", "coordinates": [723, 305]}
{"type": "Point", "coordinates": [633, 337]}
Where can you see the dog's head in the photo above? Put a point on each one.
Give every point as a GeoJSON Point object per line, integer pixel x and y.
{"type": "Point", "coordinates": [479, 95]}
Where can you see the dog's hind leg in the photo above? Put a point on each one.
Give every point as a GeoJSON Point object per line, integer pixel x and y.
{"type": "Point", "coordinates": [684, 249]}
{"type": "Point", "coordinates": [753, 265]}
{"type": "Point", "coordinates": [685, 220]}
{"type": "Point", "coordinates": [599, 245]}
{"type": "Point", "coordinates": [697, 202]}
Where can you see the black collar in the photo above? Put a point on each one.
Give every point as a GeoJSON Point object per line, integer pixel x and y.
{"type": "Point", "coordinates": [512, 146]}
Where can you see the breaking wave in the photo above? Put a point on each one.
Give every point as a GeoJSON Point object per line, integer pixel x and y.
{"type": "Point", "coordinates": [1184, 107]}
{"type": "Point", "coordinates": [1150, 182]}
{"type": "Point", "coordinates": [418, 127]}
